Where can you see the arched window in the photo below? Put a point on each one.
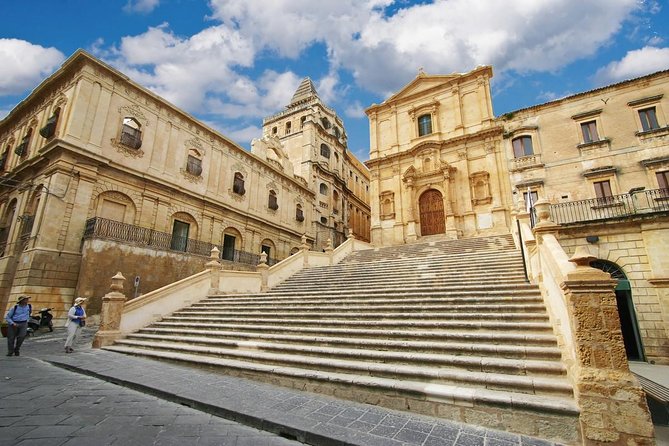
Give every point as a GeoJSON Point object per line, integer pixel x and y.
{"type": "Point", "coordinates": [131, 133]}
{"type": "Point", "coordinates": [325, 151]}
{"type": "Point", "coordinates": [335, 202]}
{"type": "Point", "coordinates": [424, 125]}
{"type": "Point", "coordinates": [299, 214]}
{"type": "Point", "coordinates": [50, 128]}
{"type": "Point", "coordinates": [238, 185]}
{"type": "Point", "coordinates": [522, 146]}
{"type": "Point", "coordinates": [326, 123]}
{"type": "Point", "coordinates": [194, 163]}
{"type": "Point", "coordinates": [288, 128]}
{"type": "Point", "coordinates": [22, 149]}
{"type": "Point", "coordinates": [272, 202]}
{"type": "Point", "coordinates": [324, 189]}
{"type": "Point", "coordinates": [274, 130]}
{"type": "Point", "coordinates": [303, 119]}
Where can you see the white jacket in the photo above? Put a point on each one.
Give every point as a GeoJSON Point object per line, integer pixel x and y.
{"type": "Point", "coordinates": [71, 315]}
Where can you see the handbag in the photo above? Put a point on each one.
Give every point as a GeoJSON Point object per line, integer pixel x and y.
{"type": "Point", "coordinates": [82, 323]}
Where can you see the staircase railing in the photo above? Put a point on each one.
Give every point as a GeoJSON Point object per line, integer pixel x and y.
{"type": "Point", "coordinates": [582, 307]}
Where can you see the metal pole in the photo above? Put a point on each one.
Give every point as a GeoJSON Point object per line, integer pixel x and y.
{"type": "Point", "coordinates": [522, 250]}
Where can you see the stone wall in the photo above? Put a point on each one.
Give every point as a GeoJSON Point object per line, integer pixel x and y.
{"type": "Point", "coordinates": [624, 245]}
{"type": "Point", "coordinates": [102, 259]}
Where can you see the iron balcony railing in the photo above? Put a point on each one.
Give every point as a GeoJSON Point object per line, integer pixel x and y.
{"type": "Point", "coordinates": [104, 228]}
{"type": "Point", "coordinates": [614, 207]}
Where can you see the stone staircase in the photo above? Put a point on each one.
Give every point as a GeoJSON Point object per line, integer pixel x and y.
{"type": "Point", "coordinates": [447, 328]}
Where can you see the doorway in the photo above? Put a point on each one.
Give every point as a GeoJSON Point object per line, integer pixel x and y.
{"type": "Point", "coordinates": [431, 205]}
{"type": "Point", "coordinates": [229, 247]}
{"type": "Point", "coordinates": [628, 320]}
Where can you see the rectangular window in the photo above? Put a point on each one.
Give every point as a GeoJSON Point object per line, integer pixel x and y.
{"type": "Point", "coordinates": [228, 247]}
{"type": "Point", "coordinates": [589, 130]}
{"type": "Point", "coordinates": [534, 196]}
{"type": "Point", "coordinates": [648, 117]}
{"type": "Point", "coordinates": [663, 181]}
{"type": "Point", "coordinates": [522, 146]}
{"type": "Point", "coordinates": [194, 166]}
{"type": "Point", "coordinates": [603, 192]}
{"type": "Point", "coordinates": [179, 236]}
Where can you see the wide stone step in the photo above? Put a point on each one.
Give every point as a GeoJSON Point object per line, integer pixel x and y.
{"type": "Point", "coordinates": [505, 347]}
{"type": "Point", "coordinates": [470, 362]}
{"type": "Point", "coordinates": [416, 280]}
{"type": "Point", "coordinates": [398, 306]}
{"type": "Point", "coordinates": [422, 325]}
{"type": "Point", "coordinates": [286, 298]}
{"type": "Point", "coordinates": [382, 293]}
{"type": "Point", "coordinates": [557, 415]}
{"type": "Point", "coordinates": [425, 373]}
{"type": "Point", "coordinates": [358, 316]}
{"type": "Point", "coordinates": [480, 266]}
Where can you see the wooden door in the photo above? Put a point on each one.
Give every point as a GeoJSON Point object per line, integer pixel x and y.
{"type": "Point", "coordinates": [431, 206]}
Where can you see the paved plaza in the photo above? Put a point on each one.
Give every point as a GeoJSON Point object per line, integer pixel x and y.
{"type": "Point", "coordinates": [104, 398]}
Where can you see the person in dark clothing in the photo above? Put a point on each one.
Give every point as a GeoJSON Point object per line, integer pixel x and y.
{"type": "Point", "coordinates": [17, 320]}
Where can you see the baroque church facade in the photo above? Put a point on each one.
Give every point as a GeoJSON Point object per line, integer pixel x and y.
{"type": "Point", "coordinates": [442, 164]}
{"type": "Point", "coordinates": [101, 175]}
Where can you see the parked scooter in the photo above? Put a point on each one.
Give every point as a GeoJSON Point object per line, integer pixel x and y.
{"type": "Point", "coordinates": [43, 319]}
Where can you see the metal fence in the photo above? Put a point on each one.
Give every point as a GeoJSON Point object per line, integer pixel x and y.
{"type": "Point", "coordinates": [614, 207]}
{"type": "Point", "coordinates": [103, 228]}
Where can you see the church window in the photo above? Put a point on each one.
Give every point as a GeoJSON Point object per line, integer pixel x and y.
{"type": "Point", "coordinates": [273, 202]}
{"type": "Point", "coordinates": [299, 214]}
{"type": "Point", "coordinates": [274, 130]}
{"type": "Point", "coordinates": [303, 119]}
{"type": "Point", "coordinates": [288, 128]}
{"type": "Point", "coordinates": [324, 189]}
{"type": "Point", "coordinates": [424, 125]}
{"type": "Point", "coordinates": [238, 184]}
{"type": "Point", "coordinates": [131, 133]}
{"type": "Point", "coordinates": [326, 123]}
{"type": "Point", "coordinates": [325, 151]}
{"type": "Point", "coordinates": [522, 146]}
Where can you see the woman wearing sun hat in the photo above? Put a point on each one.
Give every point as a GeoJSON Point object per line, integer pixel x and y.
{"type": "Point", "coordinates": [76, 318]}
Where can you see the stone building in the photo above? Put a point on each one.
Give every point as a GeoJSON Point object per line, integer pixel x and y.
{"type": "Point", "coordinates": [442, 163]}
{"type": "Point", "coordinates": [313, 138]}
{"type": "Point", "coordinates": [101, 175]}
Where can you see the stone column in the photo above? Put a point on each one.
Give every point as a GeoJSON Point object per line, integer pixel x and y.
{"type": "Point", "coordinates": [410, 214]}
{"type": "Point", "coordinates": [304, 248]}
{"type": "Point", "coordinates": [613, 405]}
{"type": "Point", "coordinates": [111, 313]}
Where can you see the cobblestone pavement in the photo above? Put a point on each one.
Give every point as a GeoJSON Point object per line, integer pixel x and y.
{"type": "Point", "coordinates": [100, 397]}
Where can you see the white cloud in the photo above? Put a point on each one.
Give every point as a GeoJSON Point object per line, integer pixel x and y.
{"type": "Point", "coordinates": [355, 110]}
{"type": "Point", "coordinates": [635, 63]}
{"type": "Point", "coordinates": [443, 36]}
{"type": "Point", "coordinates": [141, 6]}
{"type": "Point", "coordinates": [24, 65]}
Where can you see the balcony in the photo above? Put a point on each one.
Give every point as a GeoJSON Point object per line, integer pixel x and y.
{"type": "Point", "coordinates": [526, 162]}
{"type": "Point", "coordinates": [102, 228]}
{"type": "Point", "coordinates": [642, 203]}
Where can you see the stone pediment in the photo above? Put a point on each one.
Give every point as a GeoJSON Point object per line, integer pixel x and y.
{"type": "Point", "coordinates": [421, 83]}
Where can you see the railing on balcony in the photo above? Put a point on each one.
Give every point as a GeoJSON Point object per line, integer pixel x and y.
{"type": "Point", "coordinates": [607, 208]}
{"type": "Point", "coordinates": [103, 228]}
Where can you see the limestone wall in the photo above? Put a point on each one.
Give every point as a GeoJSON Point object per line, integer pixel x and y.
{"type": "Point", "coordinates": [624, 245]}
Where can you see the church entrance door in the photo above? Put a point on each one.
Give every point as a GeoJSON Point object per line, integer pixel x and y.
{"type": "Point", "coordinates": [431, 205]}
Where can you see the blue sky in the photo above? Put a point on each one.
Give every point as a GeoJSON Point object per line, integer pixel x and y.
{"type": "Point", "coordinates": [232, 62]}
